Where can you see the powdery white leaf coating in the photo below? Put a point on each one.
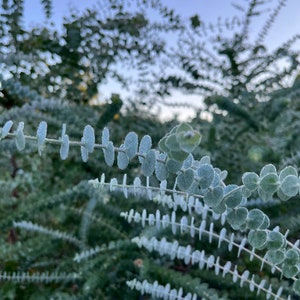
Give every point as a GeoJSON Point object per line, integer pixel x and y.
{"type": "Point", "coordinates": [63, 130]}
{"type": "Point", "coordinates": [255, 218]}
{"type": "Point", "coordinates": [131, 143]}
{"type": "Point", "coordinates": [89, 138]}
{"type": "Point", "coordinates": [84, 151]}
{"type": "Point", "coordinates": [265, 224]}
{"type": "Point", "coordinates": [275, 257]}
{"type": "Point", "coordinates": [109, 154]}
{"type": "Point", "coordinates": [105, 136]}
{"type": "Point", "coordinates": [6, 128]}
{"type": "Point", "coordinates": [113, 183]}
{"type": "Point", "coordinates": [289, 170]}
{"type": "Point", "coordinates": [216, 180]}
{"type": "Point", "coordinates": [289, 271]}
{"type": "Point", "coordinates": [161, 170]}
{"type": "Point", "coordinates": [206, 175]}
{"type": "Point", "coordinates": [250, 180]}
{"type": "Point", "coordinates": [124, 186]}
{"type": "Point", "coordinates": [185, 179]}
{"type": "Point", "coordinates": [267, 169]}
{"type": "Point", "coordinates": [213, 197]}
{"type": "Point", "coordinates": [234, 196]}
{"type": "Point", "coordinates": [220, 208]}
{"type": "Point", "coordinates": [205, 160]}
{"type": "Point", "coordinates": [145, 146]}
{"type": "Point", "coordinates": [269, 183]}
{"type": "Point", "coordinates": [41, 134]}
{"type": "Point", "coordinates": [292, 257]}
{"type": "Point", "coordinates": [20, 126]}
{"type": "Point", "coordinates": [122, 159]}
{"type": "Point", "coordinates": [148, 164]}
{"type": "Point", "coordinates": [136, 185]}
{"type": "Point", "coordinates": [223, 175]}
{"type": "Point", "coordinates": [275, 240]}
{"type": "Point", "coordinates": [237, 217]}
{"type": "Point", "coordinates": [64, 148]}
{"type": "Point", "coordinates": [257, 238]}
{"type": "Point", "coordinates": [188, 162]}
{"type": "Point", "coordinates": [290, 185]}
{"type": "Point", "coordinates": [282, 196]}
{"type": "Point", "coordinates": [20, 138]}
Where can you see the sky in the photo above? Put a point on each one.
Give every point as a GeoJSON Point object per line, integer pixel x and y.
{"type": "Point", "coordinates": [287, 24]}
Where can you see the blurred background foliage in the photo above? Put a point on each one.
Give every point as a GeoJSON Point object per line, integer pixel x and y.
{"type": "Point", "coordinates": [250, 118]}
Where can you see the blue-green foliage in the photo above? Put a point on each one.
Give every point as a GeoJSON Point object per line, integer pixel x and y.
{"type": "Point", "coordinates": [199, 191]}
{"type": "Point", "coordinates": [86, 214]}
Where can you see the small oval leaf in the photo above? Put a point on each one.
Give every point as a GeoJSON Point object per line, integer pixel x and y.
{"type": "Point", "coordinates": [275, 240]}
{"type": "Point", "coordinates": [185, 179]}
{"type": "Point", "coordinates": [287, 171]}
{"type": "Point", "coordinates": [145, 146]}
{"type": "Point", "coordinates": [250, 180]}
{"type": "Point", "coordinates": [289, 271]}
{"type": "Point", "coordinates": [122, 159]}
{"type": "Point", "coordinates": [84, 151]}
{"type": "Point", "coordinates": [255, 218]}
{"type": "Point", "coordinates": [214, 196]}
{"type": "Point", "coordinates": [105, 136]}
{"type": "Point", "coordinates": [89, 138]}
{"type": "Point", "coordinates": [206, 175]}
{"type": "Point", "coordinates": [290, 186]}
{"type": "Point", "coordinates": [233, 196]}
{"type": "Point", "coordinates": [275, 257]}
{"type": "Point", "coordinates": [292, 257]}
{"type": "Point", "coordinates": [269, 183]}
{"type": "Point", "coordinates": [188, 162]}
{"type": "Point", "coordinates": [41, 134]}
{"type": "Point", "coordinates": [237, 217]}
{"type": "Point", "coordinates": [257, 238]}
{"type": "Point", "coordinates": [282, 196]}
{"type": "Point", "coordinates": [64, 147]}
{"type": "Point", "coordinates": [148, 164]}
{"type": "Point", "coordinates": [131, 143]}
{"type": "Point", "coordinates": [161, 170]}
{"type": "Point", "coordinates": [6, 129]}
{"type": "Point", "coordinates": [109, 154]}
{"type": "Point", "coordinates": [265, 224]}
{"type": "Point", "coordinates": [267, 170]}
{"type": "Point", "coordinates": [20, 138]}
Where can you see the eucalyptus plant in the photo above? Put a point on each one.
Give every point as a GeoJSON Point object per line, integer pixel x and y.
{"type": "Point", "coordinates": [194, 206]}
